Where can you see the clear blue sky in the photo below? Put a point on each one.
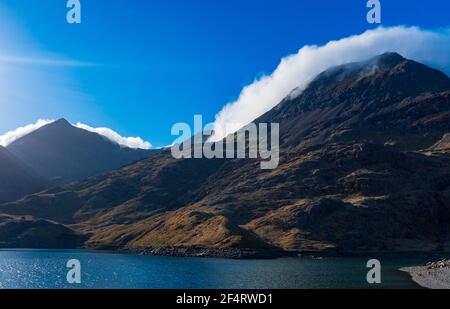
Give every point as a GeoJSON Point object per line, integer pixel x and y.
{"type": "Point", "coordinates": [158, 62]}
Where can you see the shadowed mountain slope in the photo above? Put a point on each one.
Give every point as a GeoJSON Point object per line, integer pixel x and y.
{"type": "Point", "coordinates": [60, 151]}
{"type": "Point", "coordinates": [16, 178]}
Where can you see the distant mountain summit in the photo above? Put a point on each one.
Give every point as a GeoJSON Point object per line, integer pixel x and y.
{"type": "Point", "coordinates": [62, 152]}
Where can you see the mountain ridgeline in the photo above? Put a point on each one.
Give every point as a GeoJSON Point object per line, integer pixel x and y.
{"type": "Point", "coordinates": [364, 166]}
{"type": "Point", "coordinates": [56, 154]}
{"type": "Point", "coordinates": [62, 151]}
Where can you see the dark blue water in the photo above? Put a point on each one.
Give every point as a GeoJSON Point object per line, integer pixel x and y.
{"type": "Point", "coordinates": [47, 269]}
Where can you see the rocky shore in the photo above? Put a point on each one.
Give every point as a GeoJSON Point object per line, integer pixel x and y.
{"type": "Point", "coordinates": [228, 253]}
{"type": "Point", "coordinates": [434, 275]}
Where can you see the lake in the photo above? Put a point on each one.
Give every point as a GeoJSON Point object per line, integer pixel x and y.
{"type": "Point", "coordinates": [36, 269]}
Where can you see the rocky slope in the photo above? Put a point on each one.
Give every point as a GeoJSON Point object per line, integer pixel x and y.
{"type": "Point", "coordinates": [361, 169]}
{"type": "Point", "coordinates": [28, 232]}
{"type": "Point", "coordinates": [434, 275]}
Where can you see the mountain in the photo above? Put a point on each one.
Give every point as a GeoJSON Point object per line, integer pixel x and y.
{"type": "Point", "coordinates": [371, 101]}
{"type": "Point", "coordinates": [28, 232]}
{"type": "Point", "coordinates": [363, 167]}
{"type": "Point", "coordinates": [16, 178]}
{"type": "Point", "coordinates": [61, 152]}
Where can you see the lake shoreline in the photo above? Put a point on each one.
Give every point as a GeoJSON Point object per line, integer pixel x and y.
{"type": "Point", "coordinates": [245, 253]}
{"type": "Point", "coordinates": [202, 252]}
{"type": "Point", "coordinates": [434, 275]}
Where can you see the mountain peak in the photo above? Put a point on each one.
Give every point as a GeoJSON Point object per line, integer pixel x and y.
{"type": "Point", "coordinates": [60, 125]}
{"type": "Point", "coordinates": [388, 59]}
{"type": "Point", "coordinates": [62, 122]}
{"type": "Point", "coordinates": [413, 77]}
{"type": "Point", "coordinates": [61, 151]}
{"type": "Point", "coordinates": [356, 90]}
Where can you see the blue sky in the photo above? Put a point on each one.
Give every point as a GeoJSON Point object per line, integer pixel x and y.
{"type": "Point", "coordinates": [139, 66]}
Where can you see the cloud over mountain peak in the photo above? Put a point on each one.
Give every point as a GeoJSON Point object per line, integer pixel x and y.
{"type": "Point", "coordinates": [130, 142]}
{"type": "Point", "coordinates": [298, 70]}
{"type": "Point", "coordinates": [14, 135]}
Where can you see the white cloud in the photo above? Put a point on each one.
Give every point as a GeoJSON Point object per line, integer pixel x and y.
{"type": "Point", "coordinates": [130, 142]}
{"type": "Point", "coordinates": [298, 70]}
{"type": "Point", "coordinates": [12, 136]}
